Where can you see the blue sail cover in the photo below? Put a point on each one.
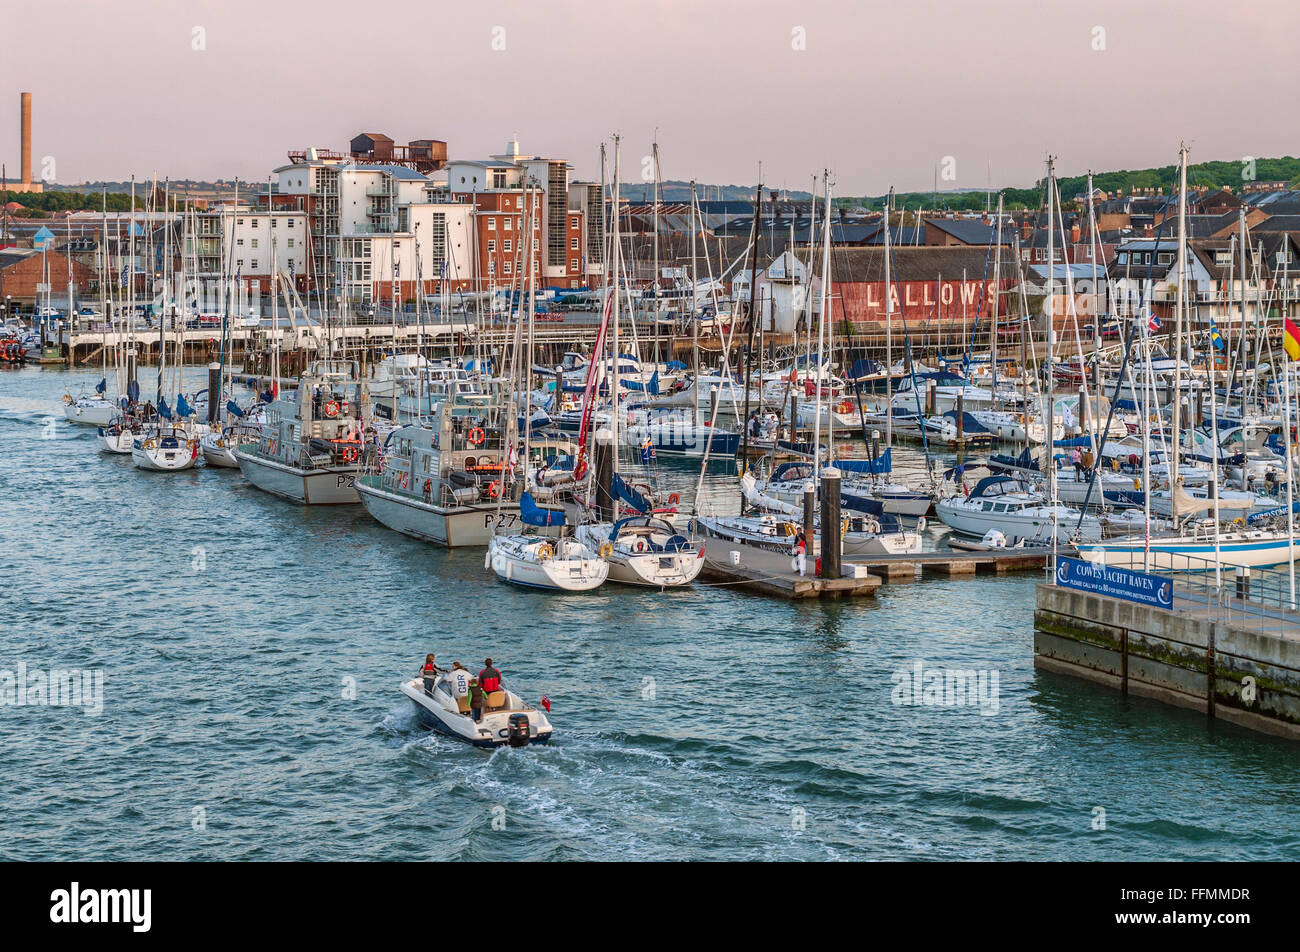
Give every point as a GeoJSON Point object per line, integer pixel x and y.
{"type": "Point", "coordinates": [233, 407]}
{"type": "Point", "coordinates": [534, 515]}
{"type": "Point", "coordinates": [163, 410]}
{"type": "Point", "coordinates": [183, 409]}
{"type": "Point", "coordinates": [651, 388]}
{"type": "Point", "coordinates": [629, 495]}
{"type": "Point", "coordinates": [884, 463]}
{"type": "Point", "coordinates": [863, 368]}
{"type": "Point", "coordinates": [133, 391]}
{"type": "Point", "coordinates": [102, 385]}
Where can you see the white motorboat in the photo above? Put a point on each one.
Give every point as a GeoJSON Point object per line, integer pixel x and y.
{"type": "Point", "coordinates": [1005, 504]}
{"type": "Point", "coordinates": [164, 448]}
{"type": "Point", "coordinates": [564, 565]}
{"type": "Point", "coordinates": [310, 449]}
{"type": "Point", "coordinates": [645, 550]}
{"type": "Point", "coordinates": [119, 436]}
{"type": "Point", "coordinates": [507, 720]}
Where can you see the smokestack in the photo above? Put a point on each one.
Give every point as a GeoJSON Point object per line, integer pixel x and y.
{"type": "Point", "coordinates": [26, 134]}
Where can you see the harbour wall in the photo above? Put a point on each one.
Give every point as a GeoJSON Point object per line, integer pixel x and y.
{"type": "Point", "coordinates": [1234, 670]}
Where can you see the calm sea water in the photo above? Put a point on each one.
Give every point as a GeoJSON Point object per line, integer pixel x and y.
{"type": "Point", "coordinates": [251, 651]}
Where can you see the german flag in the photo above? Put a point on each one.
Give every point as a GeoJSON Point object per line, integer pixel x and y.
{"type": "Point", "coordinates": [1290, 339]}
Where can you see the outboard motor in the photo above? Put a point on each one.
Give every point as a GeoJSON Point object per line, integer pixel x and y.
{"type": "Point", "coordinates": [518, 730]}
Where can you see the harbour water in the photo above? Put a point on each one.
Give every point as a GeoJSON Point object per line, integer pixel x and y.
{"type": "Point", "coordinates": [251, 651]}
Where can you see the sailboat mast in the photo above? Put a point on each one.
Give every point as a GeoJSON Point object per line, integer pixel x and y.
{"type": "Point", "coordinates": [889, 326]}
{"type": "Point", "coordinates": [1049, 461]}
{"type": "Point", "coordinates": [616, 246]}
{"type": "Point", "coordinates": [1178, 321]}
{"type": "Point", "coordinates": [821, 329]}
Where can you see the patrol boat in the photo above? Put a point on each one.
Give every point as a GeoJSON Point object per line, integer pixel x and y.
{"type": "Point", "coordinates": [506, 718]}
{"type": "Point", "coordinates": [452, 484]}
{"type": "Point", "coordinates": [310, 448]}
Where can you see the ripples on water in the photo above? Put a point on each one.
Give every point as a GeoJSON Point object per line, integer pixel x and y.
{"type": "Point", "coordinates": [225, 691]}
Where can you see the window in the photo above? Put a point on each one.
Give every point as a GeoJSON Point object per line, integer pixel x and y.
{"type": "Point", "coordinates": [573, 264]}
{"type": "Point", "coordinates": [275, 223]}
{"type": "Point", "coordinates": [239, 222]}
{"type": "Point", "coordinates": [506, 267]}
{"type": "Point", "coordinates": [239, 242]}
{"type": "Point", "coordinates": [239, 263]}
{"type": "Point", "coordinates": [573, 244]}
{"type": "Point", "coordinates": [252, 265]}
{"type": "Point", "coordinates": [492, 267]}
{"type": "Point", "coordinates": [492, 223]}
{"type": "Point", "coordinates": [506, 246]}
{"type": "Point", "coordinates": [573, 224]}
{"type": "Point", "coordinates": [254, 222]}
{"type": "Point", "coordinates": [289, 223]}
{"type": "Point", "coordinates": [254, 242]}
{"type": "Point", "coordinates": [1165, 257]}
{"type": "Point", "coordinates": [507, 223]}
{"type": "Point", "coordinates": [290, 242]}
{"type": "Point", "coordinates": [492, 244]}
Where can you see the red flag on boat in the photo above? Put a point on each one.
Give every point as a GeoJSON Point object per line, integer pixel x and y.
{"type": "Point", "coordinates": [546, 703]}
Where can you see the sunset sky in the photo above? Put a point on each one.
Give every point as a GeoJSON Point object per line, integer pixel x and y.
{"type": "Point", "coordinates": [881, 93]}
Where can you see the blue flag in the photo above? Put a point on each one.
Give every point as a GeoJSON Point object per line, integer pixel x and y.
{"type": "Point", "coordinates": [1214, 335]}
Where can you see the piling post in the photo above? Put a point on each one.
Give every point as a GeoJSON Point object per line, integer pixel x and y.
{"type": "Point", "coordinates": [809, 513]}
{"type": "Point", "coordinates": [961, 418]}
{"type": "Point", "coordinates": [214, 392]}
{"type": "Point", "coordinates": [830, 536]}
{"type": "Point", "coordinates": [605, 450]}
{"type": "Point", "coordinates": [929, 398]}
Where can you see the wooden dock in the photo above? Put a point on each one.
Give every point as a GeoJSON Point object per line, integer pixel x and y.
{"type": "Point", "coordinates": [907, 567]}
{"type": "Point", "coordinates": [769, 573]}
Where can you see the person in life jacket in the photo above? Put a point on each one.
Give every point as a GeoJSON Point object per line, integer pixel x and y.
{"type": "Point", "coordinates": [489, 678]}
{"type": "Point", "coordinates": [429, 671]}
{"type": "Point", "coordinates": [801, 553]}
{"type": "Point", "coordinates": [477, 700]}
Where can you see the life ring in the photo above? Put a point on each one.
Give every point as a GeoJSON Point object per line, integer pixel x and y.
{"type": "Point", "coordinates": [545, 551]}
{"type": "Point", "coordinates": [149, 444]}
{"type": "Point", "coordinates": [428, 486]}
{"type": "Point", "coordinates": [331, 408]}
{"type": "Point", "coordinates": [844, 406]}
{"type": "Point", "coordinates": [406, 479]}
{"type": "Point", "coordinates": [606, 550]}
{"type": "Point", "coordinates": [494, 489]}
{"type": "Point", "coordinates": [476, 436]}
{"type": "Point", "coordinates": [350, 454]}
{"type": "Point", "coordinates": [674, 499]}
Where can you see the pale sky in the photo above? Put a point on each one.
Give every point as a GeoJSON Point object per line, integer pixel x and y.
{"type": "Point", "coordinates": [882, 92]}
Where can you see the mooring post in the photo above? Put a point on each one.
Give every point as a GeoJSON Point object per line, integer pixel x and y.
{"type": "Point", "coordinates": [214, 392]}
{"type": "Point", "coordinates": [830, 547]}
{"type": "Point", "coordinates": [605, 450]}
{"type": "Point", "coordinates": [809, 514]}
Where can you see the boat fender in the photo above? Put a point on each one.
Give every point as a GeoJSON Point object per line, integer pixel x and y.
{"type": "Point", "coordinates": [788, 528]}
{"type": "Point", "coordinates": [487, 560]}
{"type": "Point", "coordinates": [920, 524]}
{"type": "Point", "coordinates": [475, 436]}
{"type": "Point", "coordinates": [606, 550]}
{"type": "Point", "coordinates": [428, 486]}
{"type": "Point", "coordinates": [872, 526]}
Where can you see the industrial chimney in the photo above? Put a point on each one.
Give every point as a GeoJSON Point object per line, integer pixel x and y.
{"type": "Point", "coordinates": [26, 134]}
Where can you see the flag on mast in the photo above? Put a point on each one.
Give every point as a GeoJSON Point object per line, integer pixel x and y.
{"type": "Point", "coordinates": [1290, 338]}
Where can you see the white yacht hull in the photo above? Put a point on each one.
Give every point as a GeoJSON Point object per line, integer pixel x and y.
{"type": "Point", "coordinates": [215, 454]}
{"type": "Point", "coordinates": [1250, 549]}
{"type": "Point", "coordinates": [162, 460]}
{"type": "Point", "coordinates": [506, 559]}
{"type": "Point", "coordinates": [119, 443]}
{"type": "Point", "coordinates": [91, 413]}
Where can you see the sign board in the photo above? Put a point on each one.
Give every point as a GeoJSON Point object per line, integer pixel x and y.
{"type": "Point", "coordinates": [1098, 579]}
